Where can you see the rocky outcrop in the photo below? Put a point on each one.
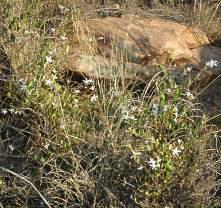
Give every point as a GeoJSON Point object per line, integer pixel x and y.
{"type": "Point", "coordinates": [142, 43]}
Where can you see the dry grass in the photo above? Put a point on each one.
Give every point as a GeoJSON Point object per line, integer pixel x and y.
{"type": "Point", "coordinates": [108, 146]}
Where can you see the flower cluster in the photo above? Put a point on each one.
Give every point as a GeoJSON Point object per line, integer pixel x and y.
{"type": "Point", "coordinates": [23, 84]}
{"type": "Point", "coordinates": [187, 70]}
{"type": "Point", "coordinates": [212, 63]}
{"type": "Point", "coordinates": [154, 164]}
{"type": "Point", "coordinates": [63, 9]}
{"type": "Point", "coordinates": [51, 56]}
{"type": "Point", "coordinates": [189, 95]}
{"type": "Point", "coordinates": [128, 114]}
{"type": "Point", "coordinates": [12, 111]}
{"type": "Point", "coordinates": [89, 84]}
{"type": "Point", "coordinates": [156, 109]}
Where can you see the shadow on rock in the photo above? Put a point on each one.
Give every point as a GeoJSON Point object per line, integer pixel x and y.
{"type": "Point", "coordinates": [210, 94]}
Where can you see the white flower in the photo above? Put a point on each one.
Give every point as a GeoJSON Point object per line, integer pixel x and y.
{"type": "Point", "coordinates": [90, 39]}
{"type": "Point", "coordinates": [212, 63]}
{"type": "Point", "coordinates": [134, 108]}
{"type": "Point", "coordinates": [52, 29]}
{"type": "Point", "coordinates": [61, 7]}
{"type": "Point", "coordinates": [46, 146]}
{"type": "Point", "coordinates": [113, 93]}
{"type": "Point", "coordinates": [12, 110]}
{"type": "Point", "coordinates": [189, 95]}
{"type": "Point", "coordinates": [49, 60]}
{"type": "Point", "coordinates": [165, 108]}
{"type": "Point", "coordinates": [92, 88]}
{"type": "Point", "coordinates": [175, 109]}
{"type": "Point", "coordinates": [23, 81]}
{"type": "Point", "coordinates": [132, 117]}
{"type": "Point", "coordinates": [11, 147]}
{"type": "Point", "coordinates": [136, 153]}
{"type": "Point", "coordinates": [88, 81]}
{"type": "Point", "coordinates": [100, 38]}
{"type": "Point", "coordinates": [126, 116]}
{"type": "Point", "coordinates": [49, 82]}
{"type": "Point", "coordinates": [77, 91]}
{"type": "Point", "coordinates": [75, 102]}
{"type": "Point", "coordinates": [4, 111]}
{"type": "Point", "coordinates": [53, 52]}
{"type": "Point", "coordinates": [94, 98]}
{"type": "Point", "coordinates": [146, 142]}
{"type": "Point", "coordinates": [155, 109]}
{"type": "Point", "coordinates": [188, 70]}
{"type": "Point", "coordinates": [63, 38]}
{"type": "Point", "coordinates": [153, 164]}
{"type": "Point", "coordinates": [18, 112]}
{"type": "Point", "coordinates": [140, 168]}
{"type": "Point", "coordinates": [179, 141]}
{"type": "Point", "coordinates": [23, 85]}
{"type": "Point", "coordinates": [176, 151]}
{"type": "Point", "coordinates": [168, 91]}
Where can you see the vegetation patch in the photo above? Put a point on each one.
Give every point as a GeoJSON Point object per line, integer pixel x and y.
{"type": "Point", "coordinates": [97, 142]}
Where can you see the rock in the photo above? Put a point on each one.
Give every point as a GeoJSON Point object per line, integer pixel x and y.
{"type": "Point", "coordinates": [144, 43]}
{"type": "Point", "coordinates": [97, 66]}
{"type": "Point", "coordinates": [145, 38]}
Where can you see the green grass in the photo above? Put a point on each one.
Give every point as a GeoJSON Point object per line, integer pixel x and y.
{"type": "Point", "coordinates": [99, 144]}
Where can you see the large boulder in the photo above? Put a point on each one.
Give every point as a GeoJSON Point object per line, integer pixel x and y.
{"type": "Point", "coordinates": [146, 40]}
{"type": "Point", "coordinates": [144, 43]}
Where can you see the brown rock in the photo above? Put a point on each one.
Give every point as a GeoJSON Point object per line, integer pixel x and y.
{"type": "Point", "coordinates": [144, 43]}
{"type": "Point", "coordinates": [97, 66]}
